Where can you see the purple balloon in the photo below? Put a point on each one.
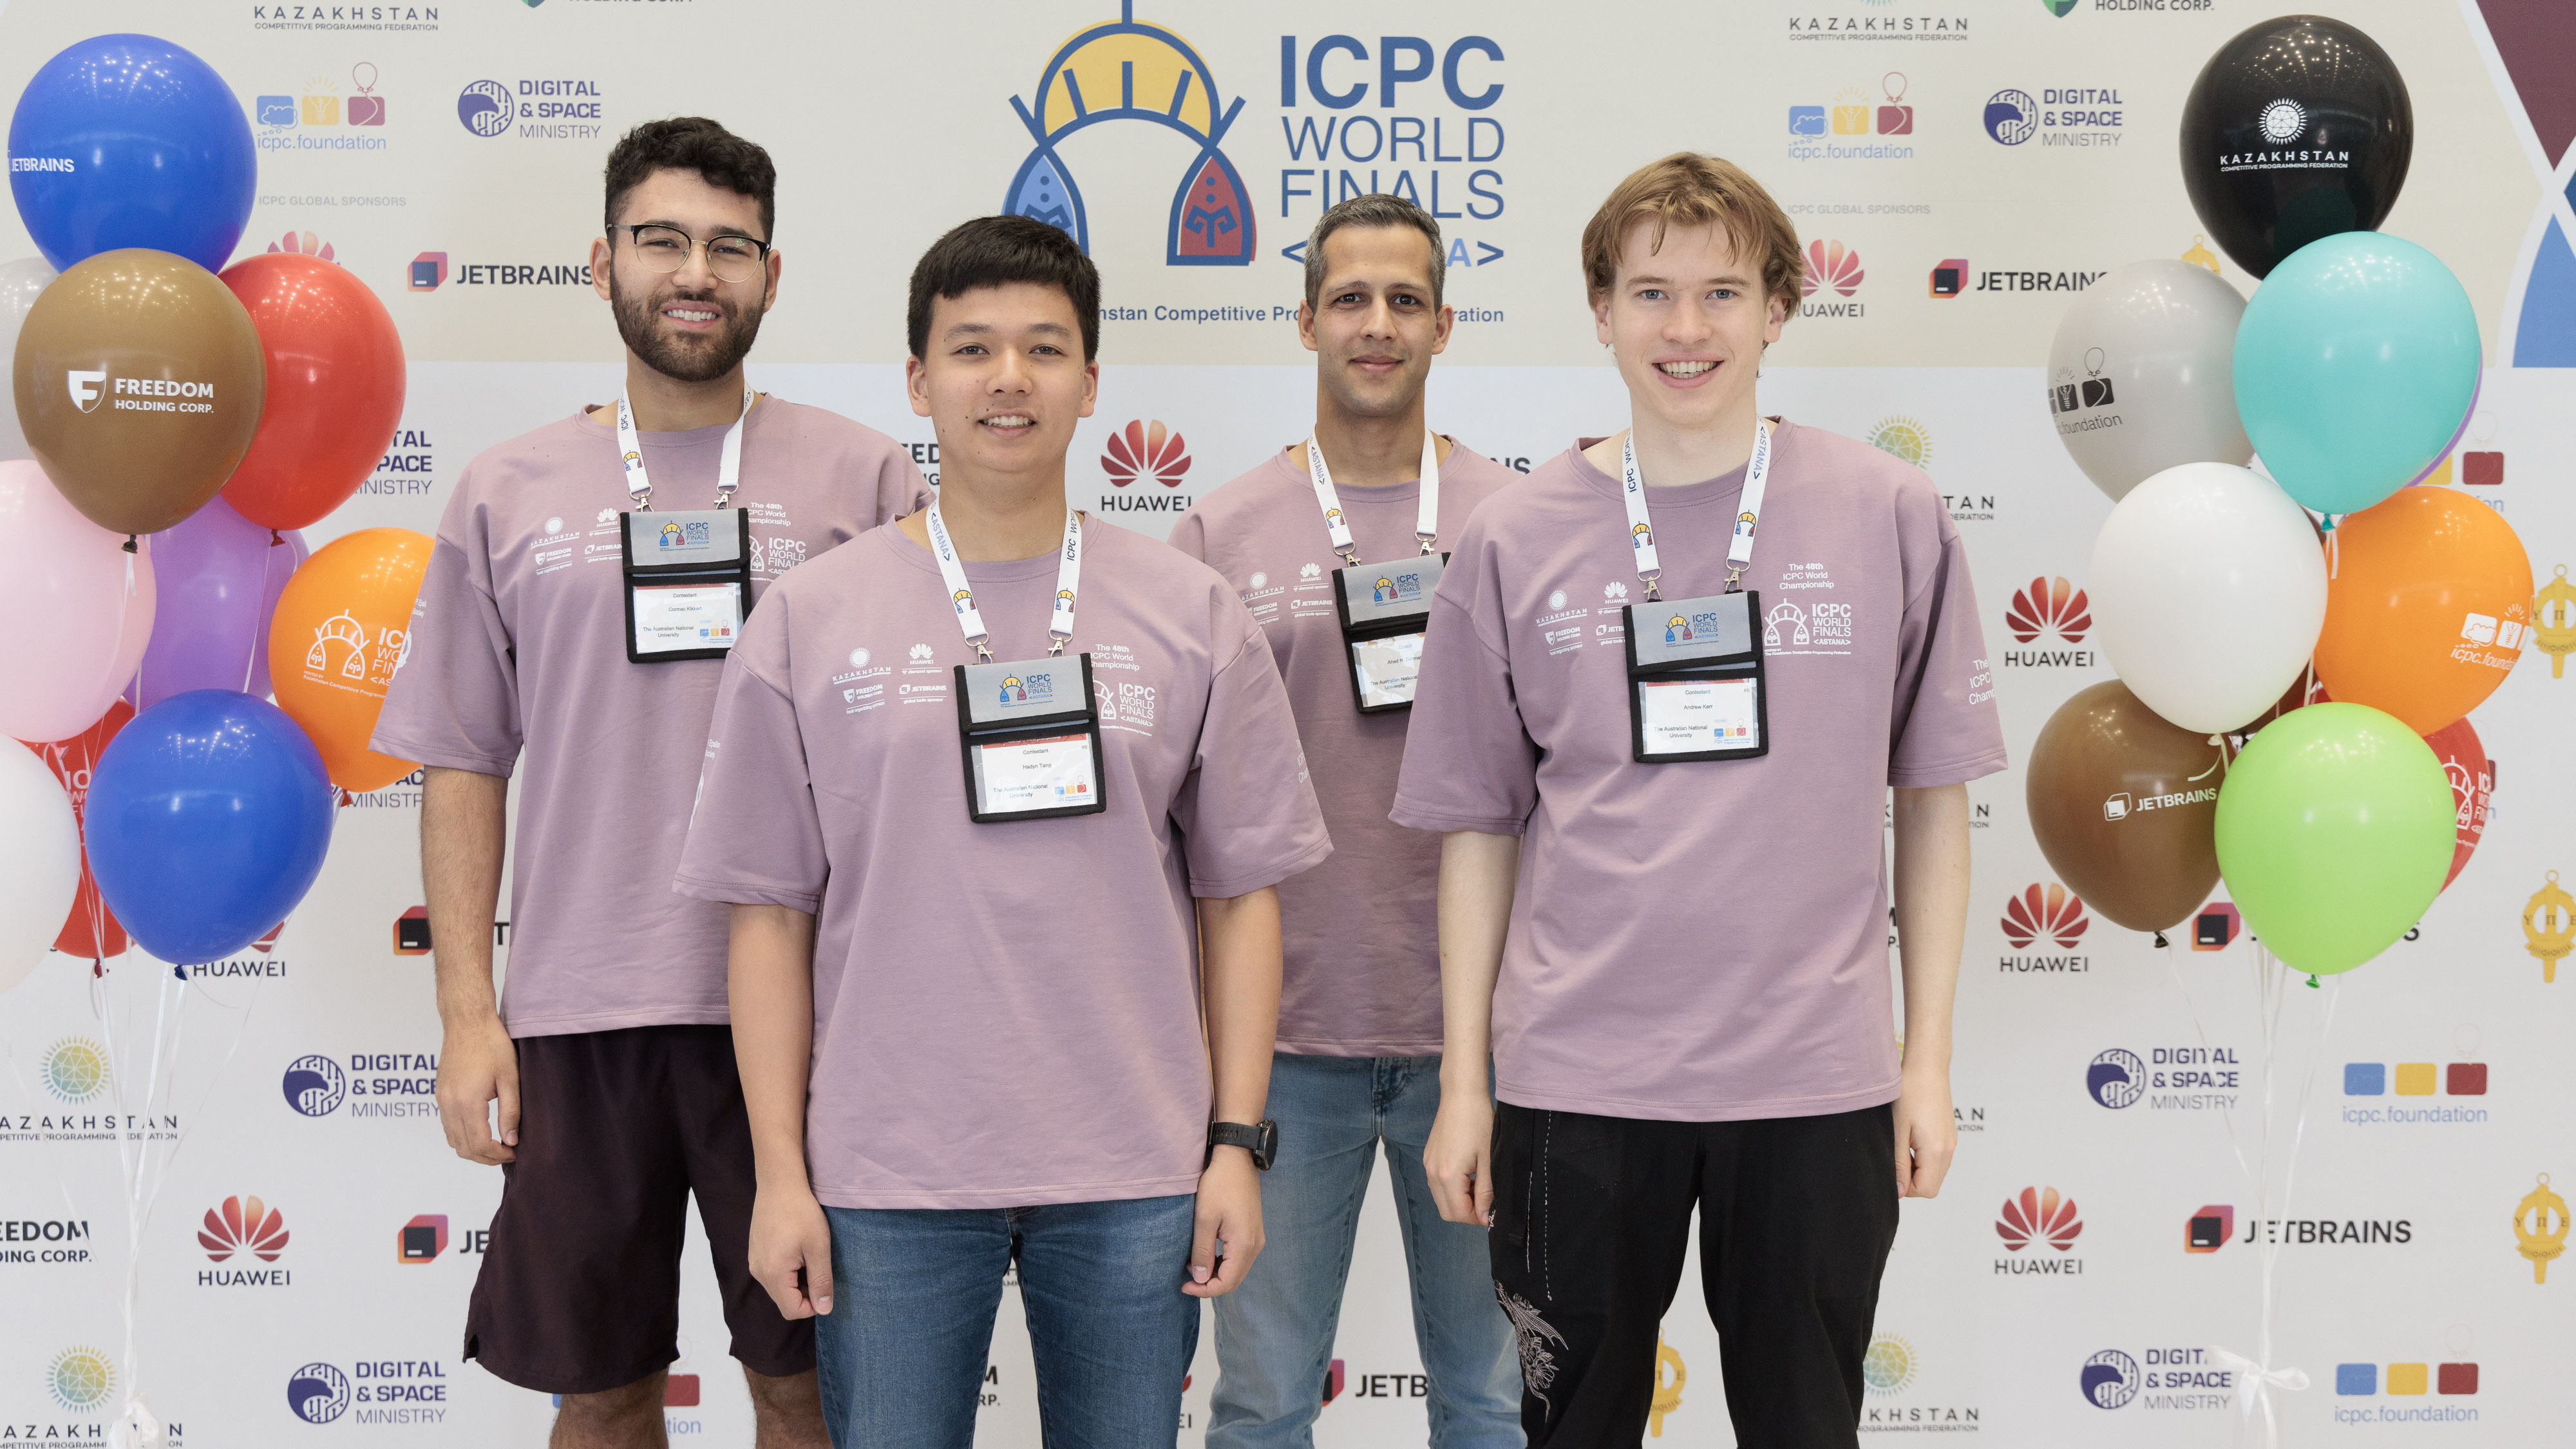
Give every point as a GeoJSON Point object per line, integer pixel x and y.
{"type": "Point", "coordinates": [221, 575]}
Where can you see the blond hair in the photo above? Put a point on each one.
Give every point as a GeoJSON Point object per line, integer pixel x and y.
{"type": "Point", "coordinates": [1688, 189]}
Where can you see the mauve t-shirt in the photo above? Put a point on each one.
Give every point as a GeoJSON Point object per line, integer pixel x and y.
{"type": "Point", "coordinates": [1700, 941]}
{"type": "Point", "coordinates": [1004, 1014]}
{"type": "Point", "coordinates": [1362, 929]}
{"type": "Point", "coordinates": [518, 643]}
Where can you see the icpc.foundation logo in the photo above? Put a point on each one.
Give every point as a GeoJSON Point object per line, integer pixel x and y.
{"type": "Point", "coordinates": [1132, 70]}
{"type": "Point", "coordinates": [75, 1069]}
{"type": "Point", "coordinates": [80, 1378]}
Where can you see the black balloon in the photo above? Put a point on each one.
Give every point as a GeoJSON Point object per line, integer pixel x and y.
{"type": "Point", "coordinates": [2298, 128]}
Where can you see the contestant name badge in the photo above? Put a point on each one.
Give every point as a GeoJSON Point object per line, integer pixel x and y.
{"type": "Point", "coordinates": [1030, 738]}
{"type": "Point", "coordinates": [1384, 608]}
{"type": "Point", "coordinates": [1695, 679]}
{"type": "Point", "coordinates": [687, 582]}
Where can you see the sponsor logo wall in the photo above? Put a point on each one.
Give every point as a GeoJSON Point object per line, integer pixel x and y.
{"type": "Point", "coordinates": [1958, 174]}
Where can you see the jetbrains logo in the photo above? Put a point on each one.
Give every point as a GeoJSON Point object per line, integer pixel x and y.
{"type": "Point", "coordinates": [243, 1225]}
{"type": "Point", "coordinates": [2048, 911]}
{"type": "Point", "coordinates": [1146, 450]}
{"type": "Point", "coordinates": [80, 1378]}
{"type": "Point", "coordinates": [1132, 70]}
{"type": "Point", "coordinates": [2040, 1215]}
{"type": "Point", "coordinates": [2049, 606]}
{"type": "Point", "coordinates": [75, 1069]}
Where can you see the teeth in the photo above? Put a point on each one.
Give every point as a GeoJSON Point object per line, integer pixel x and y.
{"type": "Point", "coordinates": [687, 316]}
{"type": "Point", "coordinates": [1009, 422]}
{"type": "Point", "coordinates": [1685, 369]}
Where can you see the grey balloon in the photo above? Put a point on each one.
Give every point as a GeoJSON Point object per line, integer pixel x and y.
{"type": "Point", "coordinates": [19, 283]}
{"type": "Point", "coordinates": [2141, 375]}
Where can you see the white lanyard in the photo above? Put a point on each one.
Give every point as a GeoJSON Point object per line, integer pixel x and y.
{"type": "Point", "coordinates": [1068, 580]}
{"type": "Point", "coordinates": [1739, 550]}
{"type": "Point", "coordinates": [630, 451]}
{"type": "Point", "coordinates": [1426, 517]}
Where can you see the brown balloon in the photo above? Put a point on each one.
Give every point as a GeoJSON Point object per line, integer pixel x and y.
{"type": "Point", "coordinates": [139, 382]}
{"type": "Point", "coordinates": [2124, 803]}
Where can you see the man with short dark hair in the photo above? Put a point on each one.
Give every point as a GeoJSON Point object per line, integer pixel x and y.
{"type": "Point", "coordinates": [586, 582]}
{"type": "Point", "coordinates": [1358, 1066]}
{"type": "Point", "coordinates": [1000, 796]}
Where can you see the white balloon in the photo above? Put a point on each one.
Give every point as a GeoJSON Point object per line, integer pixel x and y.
{"type": "Point", "coordinates": [20, 281]}
{"type": "Point", "coordinates": [2209, 590]}
{"type": "Point", "coordinates": [2141, 376]}
{"type": "Point", "coordinates": [40, 861]}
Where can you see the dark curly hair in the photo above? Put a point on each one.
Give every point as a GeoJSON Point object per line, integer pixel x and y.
{"type": "Point", "coordinates": [694, 143]}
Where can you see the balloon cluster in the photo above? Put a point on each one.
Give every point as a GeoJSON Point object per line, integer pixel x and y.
{"type": "Point", "coordinates": [2298, 647]}
{"type": "Point", "coordinates": [171, 422]}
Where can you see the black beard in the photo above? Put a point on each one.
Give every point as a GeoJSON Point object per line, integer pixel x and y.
{"type": "Point", "coordinates": [682, 359]}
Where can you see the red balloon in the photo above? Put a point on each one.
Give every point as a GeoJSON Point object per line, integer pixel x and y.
{"type": "Point", "coordinates": [2464, 759]}
{"type": "Point", "coordinates": [335, 388]}
{"type": "Point", "coordinates": [91, 930]}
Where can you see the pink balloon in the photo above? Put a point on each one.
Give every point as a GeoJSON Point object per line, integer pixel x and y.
{"type": "Point", "coordinates": [78, 606]}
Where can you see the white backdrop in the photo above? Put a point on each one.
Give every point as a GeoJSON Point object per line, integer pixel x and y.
{"type": "Point", "coordinates": [891, 124]}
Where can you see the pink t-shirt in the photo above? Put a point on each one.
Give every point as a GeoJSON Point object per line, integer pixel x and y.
{"type": "Point", "coordinates": [1700, 941]}
{"type": "Point", "coordinates": [1362, 931]}
{"type": "Point", "coordinates": [518, 643]}
{"type": "Point", "coordinates": [1004, 1014]}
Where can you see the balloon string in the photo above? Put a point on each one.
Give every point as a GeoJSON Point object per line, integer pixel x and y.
{"type": "Point", "coordinates": [2226, 1115]}
{"type": "Point", "coordinates": [250, 664]}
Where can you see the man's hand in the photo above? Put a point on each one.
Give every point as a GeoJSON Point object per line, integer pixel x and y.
{"type": "Point", "coordinates": [791, 1250]}
{"type": "Point", "coordinates": [478, 1065]}
{"type": "Point", "coordinates": [1229, 1213]}
{"type": "Point", "coordinates": [1927, 1133]}
{"type": "Point", "coordinates": [1458, 1158]}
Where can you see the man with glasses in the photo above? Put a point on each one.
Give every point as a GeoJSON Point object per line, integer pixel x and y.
{"type": "Point", "coordinates": [587, 582]}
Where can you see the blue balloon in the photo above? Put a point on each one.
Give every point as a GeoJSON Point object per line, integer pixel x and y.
{"type": "Point", "coordinates": [130, 141]}
{"type": "Point", "coordinates": [2355, 363]}
{"type": "Point", "coordinates": [207, 821]}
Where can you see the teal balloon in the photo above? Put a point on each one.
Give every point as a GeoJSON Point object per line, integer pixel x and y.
{"type": "Point", "coordinates": [2355, 363]}
{"type": "Point", "coordinates": [2335, 829]}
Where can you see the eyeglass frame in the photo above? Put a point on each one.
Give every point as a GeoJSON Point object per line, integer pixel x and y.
{"type": "Point", "coordinates": [696, 246]}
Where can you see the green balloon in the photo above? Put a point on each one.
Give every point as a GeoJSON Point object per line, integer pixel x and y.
{"type": "Point", "coordinates": [2335, 830]}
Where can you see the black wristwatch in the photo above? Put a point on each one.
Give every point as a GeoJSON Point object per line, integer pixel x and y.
{"type": "Point", "coordinates": [1261, 1141]}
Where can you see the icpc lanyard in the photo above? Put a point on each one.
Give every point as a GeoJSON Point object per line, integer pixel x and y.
{"type": "Point", "coordinates": [1739, 550]}
{"type": "Point", "coordinates": [1426, 517]}
{"type": "Point", "coordinates": [630, 451]}
{"type": "Point", "coordinates": [1068, 580]}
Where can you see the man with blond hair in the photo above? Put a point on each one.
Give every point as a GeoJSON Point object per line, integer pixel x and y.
{"type": "Point", "coordinates": [1686, 663]}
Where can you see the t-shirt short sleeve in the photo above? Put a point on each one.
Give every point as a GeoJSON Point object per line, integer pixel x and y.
{"type": "Point", "coordinates": [1189, 535]}
{"type": "Point", "coordinates": [1469, 763]}
{"type": "Point", "coordinates": [754, 836]}
{"type": "Point", "coordinates": [1247, 812]}
{"type": "Point", "coordinates": [1944, 729]}
{"type": "Point", "coordinates": [454, 702]}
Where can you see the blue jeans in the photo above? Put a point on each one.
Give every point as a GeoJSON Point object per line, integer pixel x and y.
{"type": "Point", "coordinates": [1274, 1335]}
{"type": "Point", "coordinates": [914, 1292]}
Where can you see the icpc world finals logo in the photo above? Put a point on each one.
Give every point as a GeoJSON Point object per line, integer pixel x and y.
{"type": "Point", "coordinates": [1132, 70]}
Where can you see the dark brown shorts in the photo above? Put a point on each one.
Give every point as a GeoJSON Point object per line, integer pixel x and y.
{"type": "Point", "coordinates": [579, 1292]}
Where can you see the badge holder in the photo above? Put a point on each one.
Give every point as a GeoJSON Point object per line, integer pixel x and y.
{"type": "Point", "coordinates": [1384, 609]}
{"type": "Point", "coordinates": [1695, 679]}
{"type": "Point", "coordinates": [1029, 736]}
{"type": "Point", "coordinates": [687, 582]}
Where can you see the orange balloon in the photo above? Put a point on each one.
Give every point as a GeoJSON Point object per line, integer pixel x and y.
{"type": "Point", "coordinates": [342, 626]}
{"type": "Point", "coordinates": [2428, 606]}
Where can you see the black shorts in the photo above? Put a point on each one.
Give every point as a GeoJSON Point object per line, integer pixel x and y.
{"type": "Point", "coordinates": [1592, 1219]}
{"type": "Point", "coordinates": [579, 1291]}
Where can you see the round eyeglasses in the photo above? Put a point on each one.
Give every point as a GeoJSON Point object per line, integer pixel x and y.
{"type": "Point", "coordinates": [665, 249]}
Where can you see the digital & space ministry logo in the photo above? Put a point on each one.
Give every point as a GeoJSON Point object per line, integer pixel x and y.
{"type": "Point", "coordinates": [382, 1391]}
{"type": "Point", "coordinates": [2039, 1218]}
{"type": "Point", "coordinates": [1889, 1371]}
{"type": "Point", "coordinates": [2078, 116]}
{"type": "Point", "coordinates": [1832, 274]}
{"type": "Point", "coordinates": [1146, 450]}
{"type": "Point", "coordinates": [2168, 1078]}
{"type": "Point", "coordinates": [2160, 1378]}
{"type": "Point", "coordinates": [375, 1084]}
{"type": "Point", "coordinates": [2042, 915]}
{"type": "Point", "coordinates": [540, 110]}
{"type": "Point", "coordinates": [318, 1393]}
{"type": "Point", "coordinates": [1132, 70]}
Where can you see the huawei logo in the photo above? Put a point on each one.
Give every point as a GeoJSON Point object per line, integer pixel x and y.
{"type": "Point", "coordinates": [243, 1225]}
{"type": "Point", "coordinates": [2049, 604]}
{"type": "Point", "coordinates": [1830, 264]}
{"type": "Point", "coordinates": [1146, 450]}
{"type": "Point", "coordinates": [2044, 911]}
{"type": "Point", "coordinates": [2038, 1214]}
